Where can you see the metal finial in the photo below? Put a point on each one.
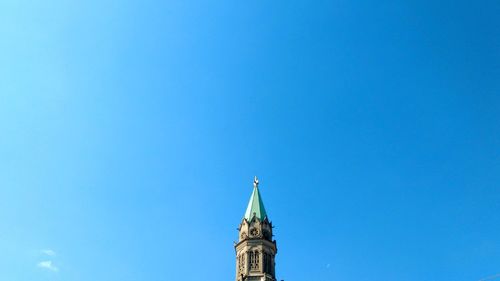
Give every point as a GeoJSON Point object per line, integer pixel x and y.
{"type": "Point", "coordinates": [255, 182]}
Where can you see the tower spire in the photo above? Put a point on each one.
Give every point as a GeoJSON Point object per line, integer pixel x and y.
{"type": "Point", "coordinates": [255, 204]}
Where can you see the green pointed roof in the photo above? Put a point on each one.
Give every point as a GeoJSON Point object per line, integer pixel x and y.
{"type": "Point", "coordinates": [255, 205]}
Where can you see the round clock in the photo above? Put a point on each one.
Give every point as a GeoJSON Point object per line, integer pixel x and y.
{"type": "Point", "coordinates": [254, 232]}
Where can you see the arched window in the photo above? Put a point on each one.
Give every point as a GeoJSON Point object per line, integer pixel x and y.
{"type": "Point", "coordinates": [241, 263]}
{"type": "Point", "coordinates": [256, 259]}
{"type": "Point", "coordinates": [251, 259]}
{"type": "Point", "coordinates": [266, 262]}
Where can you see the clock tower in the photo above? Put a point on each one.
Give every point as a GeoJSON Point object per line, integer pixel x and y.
{"type": "Point", "coordinates": [256, 249]}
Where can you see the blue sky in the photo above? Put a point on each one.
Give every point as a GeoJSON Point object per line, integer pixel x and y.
{"type": "Point", "coordinates": [131, 132]}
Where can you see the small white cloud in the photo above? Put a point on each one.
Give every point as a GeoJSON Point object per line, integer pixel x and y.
{"type": "Point", "coordinates": [49, 252]}
{"type": "Point", "coordinates": [48, 265]}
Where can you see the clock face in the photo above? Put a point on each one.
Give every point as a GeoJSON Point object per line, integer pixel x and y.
{"type": "Point", "coordinates": [254, 232]}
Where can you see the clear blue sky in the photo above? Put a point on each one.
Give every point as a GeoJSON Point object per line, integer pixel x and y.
{"type": "Point", "coordinates": [131, 132]}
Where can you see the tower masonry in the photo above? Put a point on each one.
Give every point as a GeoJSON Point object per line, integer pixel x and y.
{"type": "Point", "coordinates": [255, 249]}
